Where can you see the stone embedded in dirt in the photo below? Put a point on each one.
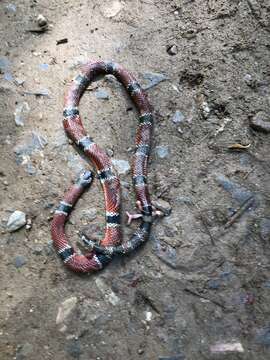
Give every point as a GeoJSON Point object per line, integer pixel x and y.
{"type": "Point", "coordinates": [30, 144]}
{"type": "Point", "coordinates": [41, 20]}
{"type": "Point", "coordinates": [153, 79]}
{"type": "Point", "coordinates": [73, 348]}
{"type": "Point", "coordinates": [121, 166]}
{"type": "Point", "coordinates": [38, 250]}
{"type": "Point", "coordinates": [21, 113]}
{"type": "Point", "coordinates": [19, 261]}
{"type": "Point", "coordinates": [109, 295]}
{"type": "Point", "coordinates": [163, 206]}
{"type": "Point", "coordinates": [89, 214]}
{"type": "Point", "coordinates": [261, 122]}
{"type": "Point", "coordinates": [65, 309]}
{"type": "Point", "coordinates": [233, 347]}
{"type": "Point", "coordinates": [238, 192]}
{"type": "Point", "coordinates": [178, 117]}
{"type": "Point", "coordinates": [102, 94]}
{"type": "Point", "coordinates": [263, 336]}
{"type": "Point", "coordinates": [111, 8]}
{"type": "Point", "coordinates": [16, 220]}
{"type": "Point", "coordinates": [162, 151]}
{"type": "Point", "coordinates": [265, 229]}
{"type": "Point", "coordinates": [24, 351]}
{"type": "Point", "coordinates": [172, 50]}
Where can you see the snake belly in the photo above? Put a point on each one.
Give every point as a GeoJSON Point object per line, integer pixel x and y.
{"type": "Point", "coordinates": [102, 253]}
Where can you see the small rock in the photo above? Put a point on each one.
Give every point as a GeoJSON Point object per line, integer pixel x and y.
{"type": "Point", "coordinates": [4, 65]}
{"type": "Point", "coordinates": [24, 351]}
{"type": "Point", "coordinates": [16, 220]}
{"type": "Point", "coordinates": [178, 117]}
{"type": "Point", "coordinates": [42, 21]}
{"type": "Point", "coordinates": [205, 109]}
{"type": "Point", "coordinates": [19, 82]}
{"type": "Point", "coordinates": [172, 50]}
{"type": "Point", "coordinates": [265, 229]}
{"type": "Point", "coordinates": [21, 113]}
{"type": "Point", "coordinates": [73, 348]}
{"type": "Point", "coordinates": [153, 79]}
{"type": "Point", "coordinates": [44, 66]}
{"type": "Point", "coordinates": [248, 79]}
{"type": "Point", "coordinates": [227, 348]}
{"type": "Point", "coordinates": [261, 122]}
{"type": "Point", "coordinates": [107, 292]}
{"type": "Point", "coordinates": [214, 284]}
{"type": "Point", "coordinates": [162, 151]}
{"type": "Point", "coordinates": [111, 8]}
{"type": "Point", "coordinates": [238, 192]}
{"type": "Point", "coordinates": [163, 206]}
{"type": "Point", "coordinates": [121, 166]}
{"type": "Point", "coordinates": [65, 309]}
{"type": "Point", "coordinates": [263, 337]}
{"type": "Point", "coordinates": [89, 214]}
{"type": "Point", "coordinates": [28, 224]}
{"type": "Point", "coordinates": [11, 8]}
{"type": "Point", "coordinates": [38, 250]}
{"type": "Point", "coordinates": [102, 94]}
{"type": "Point", "coordinates": [19, 261]}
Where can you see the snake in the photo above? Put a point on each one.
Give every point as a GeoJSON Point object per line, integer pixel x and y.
{"type": "Point", "coordinates": [101, 254]}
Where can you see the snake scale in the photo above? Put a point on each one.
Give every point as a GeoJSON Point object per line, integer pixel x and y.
{"type": "Point", "coordinates": [102, 253]}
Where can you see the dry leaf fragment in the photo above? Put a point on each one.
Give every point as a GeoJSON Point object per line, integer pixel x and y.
{"type": "Point", "coordinates": [238, 146]}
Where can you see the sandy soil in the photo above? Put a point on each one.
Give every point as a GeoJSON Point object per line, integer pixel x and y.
{"type": "Point", "coordinates": [197, 284]}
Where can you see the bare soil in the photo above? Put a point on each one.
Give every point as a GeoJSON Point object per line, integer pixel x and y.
{"type": "Point", "coordinates": [196, 283]}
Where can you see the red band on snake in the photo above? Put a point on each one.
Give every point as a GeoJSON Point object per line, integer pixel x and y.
{"type": "Point", "coordinates": [102, 253]}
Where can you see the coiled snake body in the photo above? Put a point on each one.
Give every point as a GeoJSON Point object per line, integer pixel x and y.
{"type": "Point", "coordinates": [102, 254]}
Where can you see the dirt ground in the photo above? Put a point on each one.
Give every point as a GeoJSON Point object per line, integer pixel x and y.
{"type": "Point", "coordinates": [198, 283]}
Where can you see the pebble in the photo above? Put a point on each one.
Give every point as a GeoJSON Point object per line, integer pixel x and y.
{"type": "Point", "coordinates": [162, 151]}
{"type": "Point", "coordinates": [153, 79]}
{"type": "Point", "coordinates": [19, 261]}
{"type": "Point", "coordinates": [109, 295]}
{"type": "Point", "coordinates": [102, 94]}
{"type": "Point", "coordinates": [248, 79]}
{"type": "Point", "coordinates": [31, 144]}
{"type": "Point", "coordinates": [121, 166]}
{"type": "Point", "coordinates": [238, 192]}
{"type": "Point", "coordinates": [11, 8]}
{"type": "Point", "coordinates": [163, 206]}
{"type": "Point", "coordinates": [227, 347]}
{"type": "Point", "coordinates": [172, 50]}
{"type": "Point", "coordinates": [263, 336]}
{"type": "Point", "coordinates": [89, 214]}
{"type": "Point", "coordinates": [38, 250]}
{"type": "Point", "coordinates": [265, 229]}
{"type": "Point", "coordinates": [112, 8]}
{"type": "Point", "coordinates": [261, 122]}
{"type": "Point", "coordinates": [65, 309]}
{"type": "Point", "coordinates": [16, 220]}
{"type": "Point", "coordinates": [42, 21]}
{"type": "Point", "coordinates": [178, 117]}
{"type": "Point", "coordinates": [21, 113]}
{"type": "Point", "coordinates": [73, 348]}
{"type": "Point", "coordinates": [214, 284]}
{"type": "Point", "coordinates": [24, 351]}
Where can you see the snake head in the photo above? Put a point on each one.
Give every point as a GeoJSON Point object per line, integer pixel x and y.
{"type": "Point", "coordinates": [85, 178]}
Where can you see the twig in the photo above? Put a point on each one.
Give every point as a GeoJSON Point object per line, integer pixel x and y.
{"type": "Point", "coordinates": [195, 293]}
{"type": "Point", "coordinates": [247, 203]}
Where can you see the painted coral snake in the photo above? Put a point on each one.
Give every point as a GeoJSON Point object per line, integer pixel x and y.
{"type": "Point", "coordinates": [101, 254]}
